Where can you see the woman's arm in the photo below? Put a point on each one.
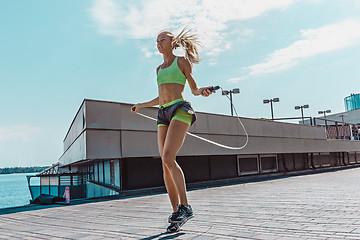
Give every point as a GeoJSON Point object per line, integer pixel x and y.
{"type": "Point", "coordinates": [185, 67]}
{"type": "Point", "coordinates": [154, 102]}
{"type": "Point", "coordinates": [136, 107]}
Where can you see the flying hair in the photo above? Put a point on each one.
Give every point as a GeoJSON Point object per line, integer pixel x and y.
{"type": "Point", "coordinates": [188, 42]}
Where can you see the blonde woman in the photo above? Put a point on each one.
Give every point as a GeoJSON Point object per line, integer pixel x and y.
{"type": "Point", "coordinates": [175, 115]}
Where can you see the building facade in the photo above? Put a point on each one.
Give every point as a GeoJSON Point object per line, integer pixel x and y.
{"type": "Point", "coordinates": [109, 151]}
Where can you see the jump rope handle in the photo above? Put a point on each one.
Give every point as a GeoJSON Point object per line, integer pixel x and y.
{"type": "Point", "coordinates": [214, 88]}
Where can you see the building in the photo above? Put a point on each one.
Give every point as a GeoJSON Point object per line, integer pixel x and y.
{"type": "Point", "coordinates": [343, 124]}
{"type": "Point", "coordinates": [352, 102]}
{"type": "Point", "coordinates": [108, 151]}
{"type": "Point", "coordinates": [350, 115]}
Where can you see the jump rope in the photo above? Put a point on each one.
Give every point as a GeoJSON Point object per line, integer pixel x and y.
{"type": "Point", "coordinates": [207, 140]}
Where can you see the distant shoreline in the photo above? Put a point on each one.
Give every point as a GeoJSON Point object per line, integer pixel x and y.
{"type": "Point", "coordinates": [11, 170]}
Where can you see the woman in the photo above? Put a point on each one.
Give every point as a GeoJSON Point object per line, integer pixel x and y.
{"type": "Point", "coordinates": [175, 115]}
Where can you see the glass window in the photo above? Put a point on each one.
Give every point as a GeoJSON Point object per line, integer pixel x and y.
{"type": "Point", "coordinates": [101, 171]}
{"type": "Point", "coordinates": [352, 102]}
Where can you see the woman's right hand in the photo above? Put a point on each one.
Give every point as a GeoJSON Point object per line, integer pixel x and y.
{"type": "Point", "coordinates": [205, 92]}
{"type": "Point", "coordinates": [135, 108]}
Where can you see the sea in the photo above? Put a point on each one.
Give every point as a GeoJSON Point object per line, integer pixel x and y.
{"type": "Point", "coordinates": [14, 190]}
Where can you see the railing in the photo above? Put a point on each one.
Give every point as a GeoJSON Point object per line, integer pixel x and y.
{"type": "Point", "coordinates": [334, 129]}
{"type": "Point", "coordinates": [339, 130]}
{"type": "Point", "coordinates": [55, 184]}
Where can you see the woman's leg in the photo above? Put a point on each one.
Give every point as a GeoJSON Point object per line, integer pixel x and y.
{"type": "Point", "coordinates": [175, 136]}
{"type": "Point", "coordinates": [169, 184]}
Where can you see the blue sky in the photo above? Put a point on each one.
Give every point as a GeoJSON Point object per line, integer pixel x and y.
{"type": "Point", "coordinates": [53, 54]}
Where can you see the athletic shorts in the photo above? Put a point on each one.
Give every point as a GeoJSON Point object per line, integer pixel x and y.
{"type": "Point", "coordinates": [178, 109]}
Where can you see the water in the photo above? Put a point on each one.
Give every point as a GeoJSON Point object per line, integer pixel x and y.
{"type": "Point", "coordinates": [14, 190]}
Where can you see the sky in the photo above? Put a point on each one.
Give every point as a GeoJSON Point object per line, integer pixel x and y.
{"type": "Point", "coordinates": [54, 54]}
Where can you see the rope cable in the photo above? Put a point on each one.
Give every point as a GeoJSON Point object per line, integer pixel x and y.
{"type": "Point", "coordinates": [209, 141]}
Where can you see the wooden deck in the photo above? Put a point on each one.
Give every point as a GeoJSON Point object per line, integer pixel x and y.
{"type": "Point", "coordinates": [316, 206]}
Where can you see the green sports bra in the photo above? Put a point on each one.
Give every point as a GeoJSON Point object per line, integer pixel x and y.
{"type": "Point", "coordinates": [171, 74]}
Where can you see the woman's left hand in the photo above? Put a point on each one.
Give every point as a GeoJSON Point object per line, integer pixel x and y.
{"type": "Point", "coordinates": [205, 91]}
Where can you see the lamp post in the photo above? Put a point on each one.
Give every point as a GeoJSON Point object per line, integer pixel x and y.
{"type": "Point", "coordinates": [324, 112]}
{"type": "Point", "coordinates": [302, 111]}
{"type": "Point", "coordinates": [342, 118]}
{"type": "Point", "coordinates": [271, 101]}
{"type": "Point", "coordinates": [234, 91]}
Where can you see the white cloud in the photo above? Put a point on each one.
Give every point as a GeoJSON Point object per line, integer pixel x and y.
{"type": "Point", "coordinates": [209, 18]}
{"type": "Point", "coordinates": [314, 41]}
{"type": "Point", "coordinates": [22, 133]}
{"type": "Point", "coordinates": [237, 79]}
{"type": "Point", "coordinates": [145, 50]}
{"type": "Point", "coordinates": [213, 62]}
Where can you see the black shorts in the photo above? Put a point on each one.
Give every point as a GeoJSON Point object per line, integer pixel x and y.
{"type": "Point", "coordinates": [165, 114]}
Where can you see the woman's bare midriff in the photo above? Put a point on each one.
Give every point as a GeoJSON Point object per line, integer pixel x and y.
{"type": "Point", "coordinates": [169, 92]}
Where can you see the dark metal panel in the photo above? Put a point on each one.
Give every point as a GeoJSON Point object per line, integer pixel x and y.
{"type": "Point", "coordinates": [195, 168]}
{"type": "Point", "coordinates": [300, 161]}
{"type": "Point", "coordinates": [286, 162]}
{"type": "Point", "coordinates": [334, 159]}
{"type": "Point", "coordinates": [223, 167]}
{"type": "Point", "coordinates": [316, 160]}
{"type": "Point", "coordinates": [324, 159]}
{"type": "Point", "coordinates": [248, 164]}
{"type": "Point", "coordinates": [269, 163]}
{"type": "Point", "coordinates": [143, 173]}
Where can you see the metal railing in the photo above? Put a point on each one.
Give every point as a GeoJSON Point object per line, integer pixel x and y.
{"type": "Point", "coordinates": [55, 184]}
{"type": "Point", "coordinates": [334, 129]}
{"type": "Point", "coordinates": [339, 130]}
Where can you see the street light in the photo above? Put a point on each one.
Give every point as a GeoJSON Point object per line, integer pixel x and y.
{"type": "Point", "coordinates": [271, 101]}
{"type": "Point", "coordinates": [342, 117]}
{"type": "Point", "coordinates": [234, 91]}
{"type": "Point", "coordinates": [324, 112]}
{"type": "Point", "coordinates": [302, 111]}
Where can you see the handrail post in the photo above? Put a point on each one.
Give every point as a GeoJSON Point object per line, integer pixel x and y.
{"type": "Point", "coordinates": [337, 130]}
{"type": "Point", "coordinates": [326, 129]}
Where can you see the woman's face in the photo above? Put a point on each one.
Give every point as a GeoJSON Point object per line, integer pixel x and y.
{"type": "Point", "coordinates": [164, 43]}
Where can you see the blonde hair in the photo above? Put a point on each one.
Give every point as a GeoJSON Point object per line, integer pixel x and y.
{"type": "Point", "coordinates": [188, 42]}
